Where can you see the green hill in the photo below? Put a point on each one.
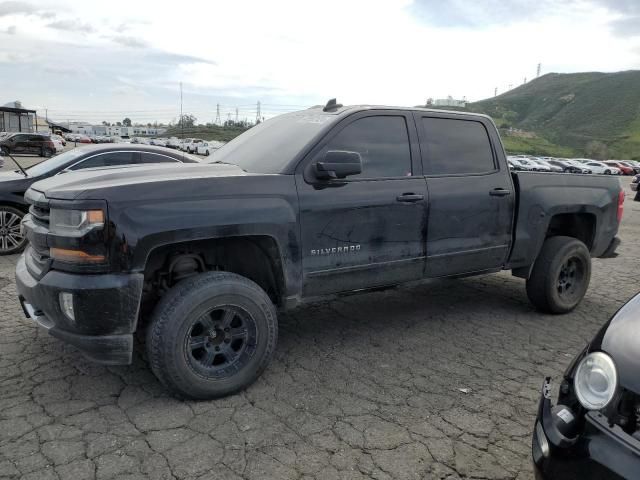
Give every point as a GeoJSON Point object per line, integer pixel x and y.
{"type": "Point", "coordinates": [572, 113]}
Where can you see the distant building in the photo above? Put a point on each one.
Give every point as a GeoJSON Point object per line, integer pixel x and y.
{"type": "Point", "coordinates": [115, 130]}
{"type": "Point", "coordinates": [15, 118]}
{"type": "Point", "coordinates": [450, 102]}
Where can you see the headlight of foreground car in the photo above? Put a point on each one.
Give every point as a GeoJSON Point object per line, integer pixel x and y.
{"type": "Point", "coordinates": [74, 223]}
{"type": "Point", "coordinates": [596, 381]}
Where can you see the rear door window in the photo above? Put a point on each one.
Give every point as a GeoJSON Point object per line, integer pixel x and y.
{"type": "Point", "coordinates": [456, 147]}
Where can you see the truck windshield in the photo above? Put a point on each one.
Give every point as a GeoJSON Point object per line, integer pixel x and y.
{"type": "Point", "coordinates": [271, 145]}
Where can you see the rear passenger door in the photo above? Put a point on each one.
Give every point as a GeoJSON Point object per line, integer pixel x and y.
{"type": "Point", "coordinates": [471, 197]}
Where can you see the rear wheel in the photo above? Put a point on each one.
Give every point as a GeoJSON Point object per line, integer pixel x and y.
{"type": "Point", "coordinates": [46, 152]}
{"type": "Point", "coordinates": [560, 275]}
{"type": "Point", "coordinates": [12, 240]}
{"type": "Point", "coordinates": [212, 335]}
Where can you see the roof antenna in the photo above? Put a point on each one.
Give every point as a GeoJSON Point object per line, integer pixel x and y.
{"type": "Point", "coordinates": [332, 106]}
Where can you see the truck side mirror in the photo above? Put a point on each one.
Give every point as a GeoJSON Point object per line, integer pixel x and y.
{"type": "Point", "coordinates": [338, 164]}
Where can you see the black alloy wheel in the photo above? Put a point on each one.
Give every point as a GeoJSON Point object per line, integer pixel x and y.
{"type": "Point", "coordinates": [221, 342]}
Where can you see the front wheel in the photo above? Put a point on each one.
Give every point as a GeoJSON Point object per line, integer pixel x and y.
{"type": "Point", "coordinates": [212, 335]}
{"type": "Point", "coordinates": [12, 240]}
{"type": "Point", "coordinates": [560, 275]}
{"type": "Point", "coordinates": [607, 172]}
{"type": "Point", "coordinates": [206, 153]}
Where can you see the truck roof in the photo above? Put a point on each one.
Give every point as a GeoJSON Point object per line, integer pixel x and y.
{"type": "Point", "coordinates": [346, 109]}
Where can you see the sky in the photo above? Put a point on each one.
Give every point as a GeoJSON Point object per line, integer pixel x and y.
{"type": "Point", "coordinates": [93, 61]}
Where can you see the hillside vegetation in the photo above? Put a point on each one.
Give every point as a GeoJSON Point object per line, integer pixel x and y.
{"type": "Point", "coordinates": [570, 113]}
{"type": "Point", "coordinates": [208, 132]}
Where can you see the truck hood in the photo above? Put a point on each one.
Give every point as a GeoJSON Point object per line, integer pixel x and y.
{"type": "Point", "coordinates": [621, 340]}
{"type": "Point", "coordinates": [69, 186]}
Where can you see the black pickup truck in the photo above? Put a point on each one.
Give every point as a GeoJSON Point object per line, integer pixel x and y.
{"type": "Point", "coordinates": [308, 204]}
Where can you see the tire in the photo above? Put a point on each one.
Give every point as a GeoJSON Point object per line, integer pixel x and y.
{"type": "Point", "coordinates": [607, 172]}
{"type": "Point", "coordinates": [560, 275]}
{"type": "Point", "coordinates": [211, 335]}
{"type": "Point", "coordinates": [11, 240]}
{"type": "Point", "coordinates": [206, 153]}
{"type": "Point", "coordinates": [45, 152]}
{"type": "Point", "coordinates": [5, 150]}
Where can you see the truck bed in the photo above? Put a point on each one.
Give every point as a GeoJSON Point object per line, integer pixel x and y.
{"type": "Point", "coordinates": [543, 198]}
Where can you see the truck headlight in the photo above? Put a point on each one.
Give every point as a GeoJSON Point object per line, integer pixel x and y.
{"type": "Point", "coordinates": [74, 223]}
{"type": "Point", "coordinates": [595, 381]}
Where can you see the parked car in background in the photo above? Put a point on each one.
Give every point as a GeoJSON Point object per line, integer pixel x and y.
{"type": "Point", "coordinates": [552, 168]}
{"type": "Point", "coordinates": [625, 169]}
{"type": "Point", "coordinates": [208, 147]}
{"type": "Point", "coordinates": [593, 432]}
{"type": "Point", "coordinates": [28, 143]}
{"type": "Point", "coordinates": [58, 144]}
{"type": "Point", "coordinates": [173, 142]}
{"type": "Point", "coordinates": [60, 138]}
{"type": "Point", "coordinates": [600, 167]}
{"type": "Point", "coordinates": [161, 142]}
{"type": "Point", "coordinates": [524, 164]}
{"type": "Point", "coordinates": [14, 184]}
{"type": "Point", "coordinates": [568, 167]}
{"type": "Point", "coordinates": [540, 166]}
{"type": "Point", "coordinates": [190, 145]}
{"type": "Point", "coordinates": [635, 186]}
{"type": "Point", "coordinates": [635, 166]}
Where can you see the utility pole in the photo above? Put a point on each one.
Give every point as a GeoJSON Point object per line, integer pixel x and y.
{"type": "Point", "coordinates": [217, 122]}
{"type": "Point", "coordinates": [236, 115]}
{"type": "Point", "coordinates": [538, 72]}
{"type": "Point", "coordinates": [258, 114]}
{"type": "Point", "coordinates": [181, 119]}
{"type": "Point", "coordinates": [495, 92]}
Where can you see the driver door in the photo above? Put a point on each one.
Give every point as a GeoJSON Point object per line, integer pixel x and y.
{"type": "Point", "coordinates": [368, 229]}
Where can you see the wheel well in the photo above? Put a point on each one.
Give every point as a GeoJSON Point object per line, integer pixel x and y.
{"type": "Point", "coordinates": [17, 206]}
{"type": "Point", "coordinates": [255, 257]}
{"type": "Point", "coordinates": [578, 225]}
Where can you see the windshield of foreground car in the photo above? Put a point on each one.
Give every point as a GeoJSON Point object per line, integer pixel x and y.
{"type": "Point", "coordinates": [53, 163]}
{"type": "Point", "coordinates": [271, 145]}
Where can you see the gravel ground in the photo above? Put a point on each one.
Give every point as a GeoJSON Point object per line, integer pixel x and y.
{"type": "Point", "coordinates": [438, 380]}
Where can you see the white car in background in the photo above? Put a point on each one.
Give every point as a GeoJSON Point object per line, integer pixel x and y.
{"type": "Point", "coordinates": [524, 164]}
{"type": "Point", "coordinates": [161, 142]}
{"type": "Point", "coordinates": [600, 168]}
{"type": "Point", "coordinates": [173, 142]}
{"type": "Point", "coordinates": [190, 145]}
{"type": "Point", "coordinates": [206, 148]}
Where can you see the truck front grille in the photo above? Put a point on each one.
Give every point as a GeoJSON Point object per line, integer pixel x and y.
{"type": "Point", "coordinates": [40, 215]}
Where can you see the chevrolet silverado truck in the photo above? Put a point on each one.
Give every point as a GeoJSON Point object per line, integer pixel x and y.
{"type": "Point", "coordinates": [333, 199]}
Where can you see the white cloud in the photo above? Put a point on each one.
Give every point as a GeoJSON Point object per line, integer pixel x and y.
{"type": "Point", "coordinates": [292, 52]}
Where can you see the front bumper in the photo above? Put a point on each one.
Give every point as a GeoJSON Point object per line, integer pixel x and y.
{"type": "Point", "coordinates": [105, 310]}
{"type": "Point", "coordinates": [598, 452]}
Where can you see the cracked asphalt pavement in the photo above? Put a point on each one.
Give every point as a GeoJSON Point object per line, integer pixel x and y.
{"type": "Point", "coordinates": [437, 380]}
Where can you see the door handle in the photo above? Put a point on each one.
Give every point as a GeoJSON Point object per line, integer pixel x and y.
{"type": "Point", "coordinates": [499, 192]}
{"type": "Point", "coordinates": [409, 197]}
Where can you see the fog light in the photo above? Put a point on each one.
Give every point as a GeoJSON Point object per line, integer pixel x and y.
{"type": "Point", "coordinates": [66, 304]}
